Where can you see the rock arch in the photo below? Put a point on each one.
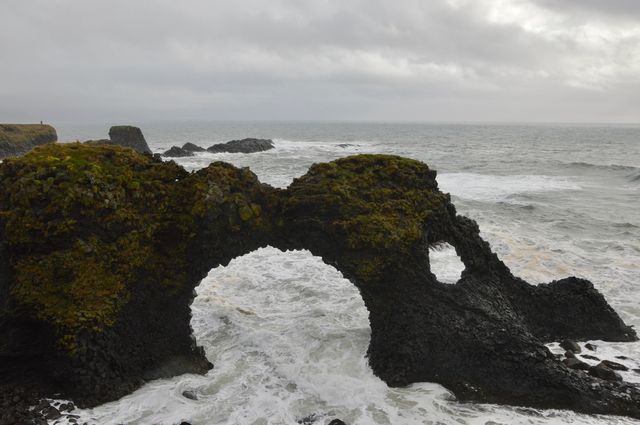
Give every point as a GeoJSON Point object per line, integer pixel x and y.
{"type": "Point", "coordinates": [101, 249]}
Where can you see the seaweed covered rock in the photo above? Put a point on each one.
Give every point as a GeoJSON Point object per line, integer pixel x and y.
{"type": "Point", "coordinates": [18, 139]}
{"type": "Point", "coordinates": [101, 248]}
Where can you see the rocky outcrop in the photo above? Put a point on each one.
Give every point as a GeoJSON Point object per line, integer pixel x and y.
{"type": "Point", "coordinates": [101, 249]}
{"type": "Point", "coordinates": [190, 147]}
{"type": "Point", "coordinates": [249, 145]}
{"type": "Point", "coordinates": [176, 152]}
{"type": "Point", "coordinates": [18, 139]}
{"type": "Point", "coordinates": [124, 135]}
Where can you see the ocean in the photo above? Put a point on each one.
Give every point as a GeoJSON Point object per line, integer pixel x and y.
{"type": "Point", "coordinates": [288, 334]}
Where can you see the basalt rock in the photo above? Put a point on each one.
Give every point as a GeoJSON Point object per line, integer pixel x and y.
{"type": "Point", "coordinates": [18, 139]}
{"type": "Point", "coordinates": [190, 147]}
{"type": "Point", "coordinates": [243, 146]}
{"type": "Point", "coordinates": [101, 249]}
{"type": "Point", "coordinates": [176, 152]}
{"type": "Point", "coordinates": [124, 135]}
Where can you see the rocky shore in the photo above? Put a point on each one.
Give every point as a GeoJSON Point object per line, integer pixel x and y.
{"type": "Point", "coordinates": [101, 249]}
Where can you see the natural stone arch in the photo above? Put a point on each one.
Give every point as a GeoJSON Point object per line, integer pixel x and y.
{"type": "Point", "coordinates": [102, 247]}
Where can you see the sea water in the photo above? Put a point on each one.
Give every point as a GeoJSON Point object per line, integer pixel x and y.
{"type": "Point", "coordinates": [288, 334]}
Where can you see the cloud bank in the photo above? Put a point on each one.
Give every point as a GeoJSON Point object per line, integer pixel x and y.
{"type": "Point", "coordinates": [441, 60]}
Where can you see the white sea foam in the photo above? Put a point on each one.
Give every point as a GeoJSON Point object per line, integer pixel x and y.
{"type": "Point", "coordinates": [445, 263]}
{"type": "Point", "coordinates": [492, 188]}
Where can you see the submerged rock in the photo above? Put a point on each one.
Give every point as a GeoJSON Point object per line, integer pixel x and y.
{"type": "Point", "coordinates": [191, 395]}
{"type": "Point", "coordinates": [176, 152]}
{"type": "Point", "coordinates": [590, 346]}
{"type": "Point", "coordinates": [18, 139]}
{"type": "Point", "coordinates": [614, 365]}
{"type": "Point", "coordinates": [101, 249]}
{"type": "Point", "coordinates": [243, 146]}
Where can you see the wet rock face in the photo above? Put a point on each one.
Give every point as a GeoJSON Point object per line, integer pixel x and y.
{"type": "Point", "coordinates": [101, 249]}
{"type": "Point", "coordinates": [18, 139]}
{"type": "Point", "coordinates": [249, 145]}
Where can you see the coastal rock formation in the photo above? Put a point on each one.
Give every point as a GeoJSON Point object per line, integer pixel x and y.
{"type": "Point", "coordinates": [101, 248]}
{"type": "Point", "coordinates": [124, 135]}
{"type": "Point", "coordinates": [190, 147]}
{"type": "Point", "coordinates": [18, 139]}
{"type": "Point", "coordinates": [249, 145]}
{"type": "Point", "coordinates": [177, 152]}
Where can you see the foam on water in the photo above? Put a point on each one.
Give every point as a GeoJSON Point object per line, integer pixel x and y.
{"type": "Point", "coordinates": [492, 188]}
{"type": "Point", "coordinates": [288, 334]}
{"type": "Point", "coordinates": [445, 263]}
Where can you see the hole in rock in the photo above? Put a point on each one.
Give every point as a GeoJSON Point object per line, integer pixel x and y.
{"type": "Point", "coordinates": [283, 324]}
{"type": "Point", "coordinates": [445, 263]}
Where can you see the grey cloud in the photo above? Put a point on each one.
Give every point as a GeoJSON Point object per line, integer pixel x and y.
{"type": "Point", "coordinates": [392, 60]}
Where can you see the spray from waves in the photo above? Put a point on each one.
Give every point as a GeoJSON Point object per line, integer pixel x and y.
{"type": "Point", "coordinates": [492, 188]}
{"type": "Point", "coordinates": [605, 167]}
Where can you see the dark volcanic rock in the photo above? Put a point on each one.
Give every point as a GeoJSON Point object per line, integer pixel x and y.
{"type": "Point", "coordinates": [337, 422]}
{"type": "Point", "coordinates": [573, 363]}
{"type": "Point", "coordinates": [129, 136]}
{"type": "Point", "coordinates": [243, 146]}
{"type": "Point", "coordinates": [101, 249]}
{"type": "Point", "coordinates": [603, 372]}
{"type": "Point", "coordinates": [190, 395]}
{"type": "Point", "coordinates": [590, 357]}
{"type": "Point", "coordinates": [18, 139]}
{"type": "Point", "coordinates": [176, 152]}
{"type": "Point", "coordinates": [190, 147]}
{"type": "Point", "coordinates": [124, 135]}
{"type": "Point", "coordinates": [590, 346]}
{"type": "Point", "coordinates": [570, 346]}
{"type": "Point", "coordinates": [614, 365]}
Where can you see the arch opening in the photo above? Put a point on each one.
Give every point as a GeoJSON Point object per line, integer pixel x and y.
{"type": "Point", "coordinates": [445, 263]}
{"type": "Point", "coordinates": [287, 323]}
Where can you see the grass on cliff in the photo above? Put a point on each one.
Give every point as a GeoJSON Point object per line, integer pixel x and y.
{"type": "Point", "coordinates": [19, 134]}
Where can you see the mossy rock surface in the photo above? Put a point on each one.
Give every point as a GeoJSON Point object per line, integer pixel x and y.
{"type": "Point", "coordinates": [84, 224]}
{"type": "Point", "coordinates": [374, 208]}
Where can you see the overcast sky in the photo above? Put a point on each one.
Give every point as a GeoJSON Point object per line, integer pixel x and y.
{"type": "Point", "coordinates": [388, 60]}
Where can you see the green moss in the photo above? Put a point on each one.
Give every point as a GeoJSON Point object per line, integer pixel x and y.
{"type": "Point", "coordinates": [373, 206]}
{"type": "Point", "coordinates": [82, 223]}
